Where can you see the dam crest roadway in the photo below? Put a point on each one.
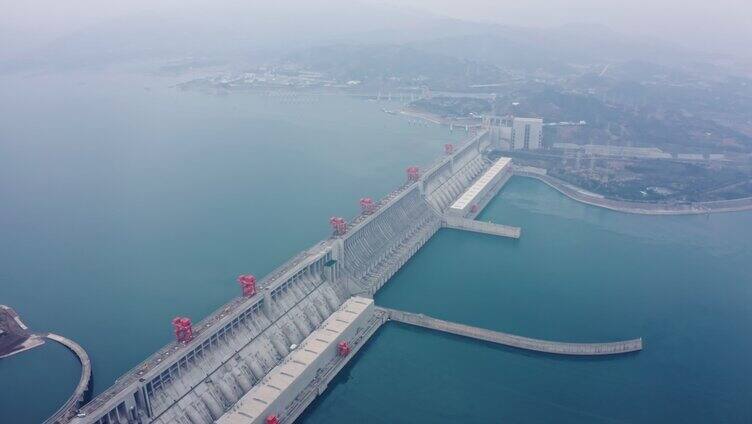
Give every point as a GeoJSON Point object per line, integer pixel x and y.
{"type": "Point", "coordinates": [264, 356]}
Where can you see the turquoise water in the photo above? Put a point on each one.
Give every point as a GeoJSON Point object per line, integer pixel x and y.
{"type": "Point", "coordinates": [577, 274]}
{"type": "Point", "coordinates": [126, 202]}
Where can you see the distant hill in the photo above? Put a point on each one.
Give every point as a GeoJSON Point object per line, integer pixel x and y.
{"type": "Point", "coordinates": [238, 32]}
{"type": "Point", "coordinates": [231, 31]}
{"type": "Point", "coordinates": [554, 49]}
{"type": "Point", "coordinates": [395, 65]}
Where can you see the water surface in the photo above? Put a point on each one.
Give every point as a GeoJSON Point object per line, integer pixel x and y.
{"type": "Point", "coordinates": [580, 274]}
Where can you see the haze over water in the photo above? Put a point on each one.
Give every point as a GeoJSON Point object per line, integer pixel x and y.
{"type": "Point", "coordinates": [125, 203]}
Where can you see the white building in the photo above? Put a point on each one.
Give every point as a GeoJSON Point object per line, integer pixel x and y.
{"type": "Point", "coordinates": [475, 193]}
{"type": "Point", "coordinates": [527, 133]}
{"type": "Point", "coordinates": [512, 133]}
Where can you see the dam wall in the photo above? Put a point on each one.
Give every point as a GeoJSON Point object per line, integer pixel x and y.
{"type": "Point", "coordinates": [445, 182]}
{"type": "Point", "coordinates": [230, 352]}
{"type": "Point", "coordinates": [235, 349]}
{"type": "Point", "coordinates": [377, 246]}
{"type": "Point", "coordinates": [375, 249]}
{"type": "Point", "coordinates": [211, 384]}
{"type": "Point", "coordinates": [300, 370]}
{"type": "Point", "coordinates": [442, 196]}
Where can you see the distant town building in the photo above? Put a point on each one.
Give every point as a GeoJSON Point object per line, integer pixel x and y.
{"type": "Point", "coordinates": [527, 133]}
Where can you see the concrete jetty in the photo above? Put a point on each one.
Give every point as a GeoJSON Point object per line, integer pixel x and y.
{"type": "Point", "coordinates": [80, 395]}
{"type": "Point", "coordinates": [465, 224]}
{"type": "Point", "coordinates": [559, 348]}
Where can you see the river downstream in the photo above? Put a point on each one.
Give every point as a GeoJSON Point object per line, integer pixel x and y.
{"type": "Point", "coordinates": [578, 273]}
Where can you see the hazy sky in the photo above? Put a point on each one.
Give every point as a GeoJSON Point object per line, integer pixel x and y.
{"type": "Point", "coordinates": [718, 25]}
{"type": "Point", "coordinates": [707, 23]}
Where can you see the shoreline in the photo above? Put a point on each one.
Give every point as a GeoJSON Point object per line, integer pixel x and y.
{"type": "Point", "coordinates": [690, 208]}
{"type": "Point", "coordinates": [11, 324]}
{"type": "Point", "coordinates": [28, 344]}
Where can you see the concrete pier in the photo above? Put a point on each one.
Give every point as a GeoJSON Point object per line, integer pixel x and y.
{"type": "Point", "coordinates": [559, 348]}
{"type": "Point", "coordinates": [458, 223]}
{"type": "Point", "coordinates": [80, 395]}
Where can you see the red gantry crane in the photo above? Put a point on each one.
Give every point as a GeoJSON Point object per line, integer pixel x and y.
{"type": "Point", "coordinates": [413, 174]}
{"type": "Point", "coordinates": [339, 225]}
{"type": "Point", "coordinates": [272, 419]}
{"type": "Point", "coordinates": [367, 206]}
{"type": "Point", "coordinates": [183, 329]}
{"type": "Point", "coordinates": [248, 283]}
{"type": "Point", "coordinates": [343, 349]}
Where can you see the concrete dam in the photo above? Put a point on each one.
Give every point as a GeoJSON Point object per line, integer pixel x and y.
{"type": "Point", "coordinates": [265, 356]}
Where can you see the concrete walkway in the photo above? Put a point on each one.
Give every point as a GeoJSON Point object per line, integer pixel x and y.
{"type": "Point", "coordinates": [559, 348]}
{"type": "Point", "coordinates": [480, 227]}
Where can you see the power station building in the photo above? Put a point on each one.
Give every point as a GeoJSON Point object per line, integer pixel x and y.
{"type": "Point", "coordinates": [514, 133]}
{"type": "Point", "coordinates": [527, 133]}
{"type": "Point", "coordinates": [468, 202]}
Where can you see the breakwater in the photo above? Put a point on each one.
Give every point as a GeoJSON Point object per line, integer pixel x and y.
{"type": "Point", "coordinates": [511, 340]}
{"type": "Point", "coordinates": [83, 388]}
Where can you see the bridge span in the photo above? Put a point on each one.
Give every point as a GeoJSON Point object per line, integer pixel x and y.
{"type": "Point", "coordinates": [546, 346]}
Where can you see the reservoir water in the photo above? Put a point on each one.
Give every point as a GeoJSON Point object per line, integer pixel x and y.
{"type": "Point", "coordinates": [126, 202]}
